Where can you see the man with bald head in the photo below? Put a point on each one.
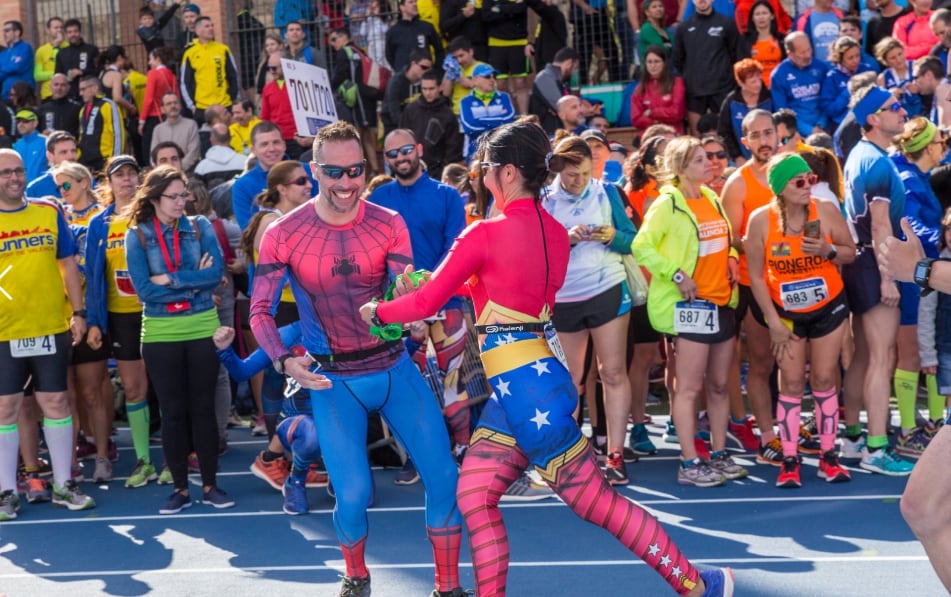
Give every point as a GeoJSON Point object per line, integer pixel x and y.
{"type": "Point", "coordinates": [60, 112]}
{"type": "Point", "coordinates": [569, 114]}
{"type": "Point", "coordinates": [220, 157]}
{"type": "Point", "coordinates": [797, 82]}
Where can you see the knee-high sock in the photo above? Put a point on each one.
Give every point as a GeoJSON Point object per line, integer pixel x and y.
{"type": "Point", "coordinates": [787, 418]}
{"type": "Point", "coordinates": [487, 471]}
{"type": "Point", "coordinates": [905, 384]}
{"type": "Point", "coordinates": [446, 542]}
{"type": "Point", "coordinates": [138, 413]}
{"type": "Point", "coordinates": [827, 417]}
{"type": "Point", "coordinates": [9, 449]}
{"type": "Point", "coordinates": [936, 402]}
{"type": "Point", "coordinates": [582, 486]}
{"type": "Point", "coordinates": [354, 559]}
{"type": "Point", "coordinates": [59, 439]}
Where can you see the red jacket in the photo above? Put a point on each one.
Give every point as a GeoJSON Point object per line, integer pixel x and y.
{"type": "Point", "coordinates": [665, 109]}
{"type": "Point", "coordinates": [158, 82]}
{"type": "Point", "coordinates": [276, 107]}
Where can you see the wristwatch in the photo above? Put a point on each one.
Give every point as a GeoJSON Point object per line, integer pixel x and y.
{"type": "Point", "coordinates": [374, 318]}
{"type": "Point", "coordinates": [833, 253]}
{"type": "Point", "coordinates": [279, 362]}
{"type": "Point", "coordinates": [922, 274]}
{"type": "Point", "coordinates": [679, 277]}
{"type": "Point", "coordinates": [80, 313]}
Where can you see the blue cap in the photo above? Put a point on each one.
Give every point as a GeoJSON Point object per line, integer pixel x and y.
{"type": "Point", "coordinates": [191, 8]}
{"type": "Point", "coordinates": [484, 70]}
{"type": "Point", "coordinates": [613, 171]}
{"type": "Point", "coordinates": [871, 103]}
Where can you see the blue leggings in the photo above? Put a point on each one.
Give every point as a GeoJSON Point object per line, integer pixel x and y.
{"type": "Point", "coordinates": [405, 402]}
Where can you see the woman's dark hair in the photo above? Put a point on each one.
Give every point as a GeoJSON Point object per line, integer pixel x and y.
{"type": "Point", "coordinates": [457, 176]}
{"type": "Point", "coordinates": [268, 198]}
{"type": "Point", "coordinates": [569, 151]}
{"type": "Point", "coordinates": [165, 54]}
{"type": "Point", "coordinates": [666, 79]}
{"type": "Point", "coordinates": [824, 165]}
{"type": "Point", "coordinates": [200, 202]}
{"type": "Point", "coordinates": [25, 96]}
{"type": "Point", "coordinates": [773, 27]}
{"type": "Point", "coordinates": [155, 184]}
{"type": "Point", "coordinates": [522, 144]}
{"type": "Point", "coordinates": [110, 55]}
{"type": "Point", "coordinates": [645, 164]}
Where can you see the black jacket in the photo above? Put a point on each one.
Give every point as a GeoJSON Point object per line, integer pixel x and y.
{"type": "Point", "coordinates": [437, 128]}
{"type": "Point", "coordinates": [454, 24]}
{"type": "Point", "coordinates": [704, 53]}
{"type": "Point", "coordinates": [60, 115]}
{"type": "Point", "coordinates": [505, 19]}
{"type": "Point", "coordinates": [82, 56]}
{"type": "Point", "coordinates": [152, 36]}
{"type": "Point", "coordinates": [399, 93]}
{"type": "Point", "coordinates": [406, 36]}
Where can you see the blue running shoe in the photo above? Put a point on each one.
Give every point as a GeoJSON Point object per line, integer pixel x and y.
{"type": "Point", "coordinates": [640, 441]}
{"type": "Point", "coordinates": [719, 582]}
{"type": "Point", "coordinates": [670, 435]}
{"type": "Point", "coordinates": [885, 462]}
{"type": "Point", "coordinates": [295, 496]}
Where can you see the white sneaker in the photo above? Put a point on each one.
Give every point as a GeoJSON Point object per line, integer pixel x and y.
{"type": "Point", "coordinates": [852, 450]}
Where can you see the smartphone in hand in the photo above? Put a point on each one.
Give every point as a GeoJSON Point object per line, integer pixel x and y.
{"type": "Point", "coordinates": [811, 229]}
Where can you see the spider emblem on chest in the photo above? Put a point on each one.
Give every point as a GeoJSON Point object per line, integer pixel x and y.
{"type": "Point", "coordinates": [344, 266]}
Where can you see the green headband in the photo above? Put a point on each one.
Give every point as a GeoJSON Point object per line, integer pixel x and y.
{"type": "Point", "coordinates": [921, 140]}
{"type": "Point", "coordinates": [782, 172]}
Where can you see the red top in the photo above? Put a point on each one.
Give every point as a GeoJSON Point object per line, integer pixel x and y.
{"type": "Point", "coordinates": [502, 261]}
{"type": "Point", "coordinates": [276, 107]}
{"type": "Point", "coordinates": [158, 82]}
{"type": "Point", "coordinates": [665, 108]}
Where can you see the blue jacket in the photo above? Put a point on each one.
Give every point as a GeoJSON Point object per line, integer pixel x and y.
{"type": "Point", "coordinates": [244, 369]}
{"type": "Point", "coordinates": [922, 208]}
{"type": "Point", "coordinates": [42, 186]}
{"type": "Point", "coordinates": [96, 289]}
{"type": "Point", "coordinates": [243, 192]}
{"type": "Point", "coordinates": [835, 97]}
{"type": "Point", "coordinates": [32, 148]}
{"type": "Point", "coordinates": [187, 284]}
{"type": "Point", "coordinates": [730, 121]}
{"type": "Point", "coordinates": [799, 89]}
{"type": "Point", "coordinates": [16, 64]}
{"type": "Point", "coordinates": [478, 117]}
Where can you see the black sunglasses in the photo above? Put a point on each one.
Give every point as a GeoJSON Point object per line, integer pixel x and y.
{"type": "Point", "coordinates": [337, 172]}
{"type": "Point", "coordinates": [404, 150]}
{"type": "Point", "coordinates": [720, 155]}
{"type": "Point", "coordinates": [299, 181]}
{"type": "Point", "coordinates": [273, 68]}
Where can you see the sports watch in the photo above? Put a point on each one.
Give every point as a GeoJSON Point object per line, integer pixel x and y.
{"type": "Point", "coordinates": [679, 277]}
{"type": "Point", "coordinates": [279, 362]}
{"type": "Point", "coordinates": [923, 273]}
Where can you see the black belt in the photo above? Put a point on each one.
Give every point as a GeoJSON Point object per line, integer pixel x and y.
{"type": "Point", "coordinates": [345, 357]}
{"type": "Point", "coordinates": [506, 328]}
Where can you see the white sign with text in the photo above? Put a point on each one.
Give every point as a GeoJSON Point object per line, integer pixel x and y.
{"type": "Point", "coordinates": [312, 100]}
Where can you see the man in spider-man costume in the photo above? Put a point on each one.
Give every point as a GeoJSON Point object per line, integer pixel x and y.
{"type": "Point", "coordinates": [341, 252]}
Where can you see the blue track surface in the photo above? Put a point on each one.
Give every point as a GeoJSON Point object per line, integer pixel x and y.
{"type": "Point", "coordinates": [828, 540]}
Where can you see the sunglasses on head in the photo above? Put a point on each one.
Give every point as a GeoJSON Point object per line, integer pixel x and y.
{"type": "Point", "coordinates": [720, 155]}
{"type": "Point", "coordinates": [404, 150]}
{"type": "Point", "coordinates": [337, 172]}
{"type": "Point", "coordinates": [807, 180]}
{"type": "Point", "coordinates": [299, 181]}
{"type": "Point", "coordinates": [66, 186]}
{"type": "Point", "coordinates": [893, 107]}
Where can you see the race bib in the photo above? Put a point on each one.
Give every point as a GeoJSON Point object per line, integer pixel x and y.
{"type": "Point", "coordinates": [697, 317]}
{"type": "Point", "coordinates": [38, 346]}
{"type": "Point", "coordinates": [804, 294]}
{"type": "Point", "coordinates": [439, 316]}
{"type": "Point", "coordinates": [554, 344]}
{"type": "Point", "coordinates": [124, 283]}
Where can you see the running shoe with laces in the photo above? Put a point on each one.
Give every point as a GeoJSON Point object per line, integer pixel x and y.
{"type": "Point", "coordinates": [274, 473]}
{"type": "Point", "coordinates": [699, 474]}
{"type": "Point", "coordinates": [789, 473]}
{"type": "Point", "coordinates": [852, 448]}
{"type": "Point", "coordinates": [85, 449]}
{"type": "Point", "coordinates": [165, 477]}
{"type": "Point", "coordinates": [886, 462]}
{"type": "Point", "coordinates": [103, 472]}
{"type": "Point", "coordinates": [71, 496]}
{"type": "Point", "coordinates": [717, 583]}
{"type": "Point", "coordinates": [142, 473]}
{"type": "Point", "coordinates": [670, 434]}
{"type": "Point", "coordinates": [354, 587]}
{"type": "Point", "coordinates": [808, 443]}
{"type": "Point", "coordinates": [614, 469]}
{"type": "Point", "coordinates": [295, 496]}
{"type": "Point", "coordinates": [526, 489]}
{"type": "Point", "coordinates": [217, 498]}
{"type": "Point", "coordinates": [771, 453]}
{"type": "Point", "coordinates": [37, 489]}
{"type": "Point", "coordinates": [407, 475]}
{"type": "Point", "coordinates": [914, 443]}
{"type": "Point", "coordinates": [9, 505]}
{"type": "Point", "coordinates": [640, 441]}
{"type": "Point", "coordinates": [724, 464]}
{"type": "Point", "coordinates": [600, 449]}
{"type": "Point", "coordinates": [316, 478]}
{"type": "Point", "coordinates": [176, 502]}
{"type": "Point", "coordinates": [742, 435]}
{"type": "Point", "coordinates": [831, 470]}
{"type": "Point", "coordinates": [629, 455]}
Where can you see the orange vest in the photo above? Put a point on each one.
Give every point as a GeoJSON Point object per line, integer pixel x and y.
{"type": "Point", "coordinates": [757, 195]}
{"type": "Point", "coordinates": [798, 283]}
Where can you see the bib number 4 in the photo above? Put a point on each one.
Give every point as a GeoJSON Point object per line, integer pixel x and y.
{"type": "Point", "coordinates": [696, 317]}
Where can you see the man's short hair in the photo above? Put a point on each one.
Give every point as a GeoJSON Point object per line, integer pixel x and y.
{"type": "Point", "coordinates": [432, 75]}
{"type": "Point", "coordinates": [852, 20]}
{"type": "Point", "coordinates": [265, 126]}
{"type": "Point", "coordinates": [49, 21]}
{"type": "Point", "coordinates": [15, 25]}
{"type": "Point", "coordinates": [294, 22]}
{"type": "Point", "coordinates": [335, 132]}
{"type": "Point", "coordinates": [419, 55]}
{"type": "Point", "coordinates": [787, 118]}
{"type": "Point", "coordinates": [341, 31]}
{"type": "Point", "coordinates": [246, 105]}
{"type": "Point", "coordinates": [942, 14]}
{"type": "Point", "coordinates": [564, 55]}
{"type": "Point", "coordinates": [930, 64]}
{"type": "Point", "coordinates": [73, 23]}
{"type": "Point", "coordinates": [220, 133]}
{"type": "Point", "coordinates": [57, 137]}
{"type": "Point", "coordinates": [202, 18]}
{"type": "Point", "coordinates": [92, 79]}
{"type": "Point", "coordinates": [753, 115]}
{"type": "Point", "coordinates": [459, 43]}
{"type": "Point", "coordinates": [165, 145]}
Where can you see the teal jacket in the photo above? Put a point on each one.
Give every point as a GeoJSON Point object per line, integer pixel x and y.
{"type": "Point", "coordinates": [669, 241]}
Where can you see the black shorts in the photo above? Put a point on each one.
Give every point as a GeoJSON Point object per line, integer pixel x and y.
{"type": "Point", "coordinates": [726, 319]}
{"type": "Point", "coordinates": [510, 61]}
{"type": "Point", "coordinates": [821, 322]}
{"type": "Point", "coordinates": [48, 371]}
{"type": "Point", "coordinates": [125, 331]}
{"type": "Point", "coordinates": [82, 353]}
{"type": "Point", "coordinates": [639, 330]}
{"type": "Point", "coordinates": [747, 302]}
{"type": "Point", "coordinates": [286, 313]}
{"type": "Point", "coordinates": [593, 312]}
{"type": "Point", "coordinates": [701, 104]}
{"type": "Point", "coordinates": [863, 282]}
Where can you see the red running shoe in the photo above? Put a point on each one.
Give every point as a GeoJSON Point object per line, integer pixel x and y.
{"type": "Point", "coordinates": [789, 473]}
{"type": "Point", "coordinates": [831, 470]}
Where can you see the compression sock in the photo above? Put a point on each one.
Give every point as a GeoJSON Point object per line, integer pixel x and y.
{"type": "Point", "coordinates": [446, 542]}
{"type": "Point", "coordinates": [853, 432]}
{"type": "Point", "coordinates": [827, 417]}
{"type": "Point", "coordinates": [138, 413]}
{"type": "Point", "coordinates": [876, 442]}
{"type": "Point", "coordinates": [9, 450]}
{"type": "Point", "coordinates": [59, 440]}
{"type": "Point", "coordinates": [936, 402]}
{"type": "Point", "coordinates": [906, 389]}
{"type": "Point", "coordinates": [582, 486]}
{"type": "Point", "coordinates": [787, 418]}
{"type": "Point", "coordinates": [354, 559]}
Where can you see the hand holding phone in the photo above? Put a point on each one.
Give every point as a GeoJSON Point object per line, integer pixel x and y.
{"type": "Point", "coordinates": [811, 229]}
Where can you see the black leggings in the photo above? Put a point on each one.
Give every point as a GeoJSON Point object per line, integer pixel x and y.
{"type": "Point", "coordinates": [185, 375]}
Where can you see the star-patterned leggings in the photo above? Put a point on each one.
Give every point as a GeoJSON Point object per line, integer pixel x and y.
{"type": "Point", "coordinates": [528, 419]}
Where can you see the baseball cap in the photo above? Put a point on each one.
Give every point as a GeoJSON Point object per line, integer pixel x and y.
{"type": "Point", "coordinates": [618, 147]}
{"type": "Point", "coordinates": [26, 115]}
{"type": "Point", "coordinates": [120, 161]}
{"type": "Point", "coordinates": [191, 8]}
{"type": "Point", "coordinates": [596, 135]}
{"type": "Point", "coordinates": [484, 70]}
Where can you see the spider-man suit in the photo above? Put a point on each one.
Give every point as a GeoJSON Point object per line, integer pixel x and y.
{"type": "Point", "coordinates": [334, 270]}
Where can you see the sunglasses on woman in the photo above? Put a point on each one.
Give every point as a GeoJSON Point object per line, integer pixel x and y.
{"type": "Point", "coordinates": [720, 155]}
{"type": "Point", "coordinates": [66, 186]}
{"type": "Point", "coordinates": [299, 181]}
{"type": "Point", "coordinates": [337, 172]}
{"type": "Point", "coordinates": [807, 180]}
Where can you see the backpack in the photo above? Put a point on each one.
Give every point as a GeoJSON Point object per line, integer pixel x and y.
{"type": "Point", "coordinates": [375, 75]}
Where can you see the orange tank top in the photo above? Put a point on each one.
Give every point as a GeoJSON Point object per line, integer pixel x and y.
{"type": "Point", "coordinates": [768, 53]}
{"type": "Point", "coordinates": [798, 283]}
{"type": "Point", "coordinates": [757, 195]}
{"type": "Point", "coordinates": [709, 274]}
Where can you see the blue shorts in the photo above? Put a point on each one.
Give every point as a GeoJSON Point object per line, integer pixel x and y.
{"type": "Point", "coordinates": [863, 282]}
{"type": "Point", "coordinates": [909, 302]}
{"type": "Point", "coordinates": [944, 373]}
